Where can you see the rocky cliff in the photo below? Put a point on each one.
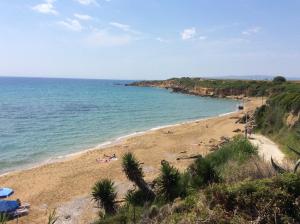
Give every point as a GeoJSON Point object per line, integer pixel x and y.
{"type": "Point", "coordinates": [196, 89]}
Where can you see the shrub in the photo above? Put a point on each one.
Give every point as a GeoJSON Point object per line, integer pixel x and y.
{"type": "Point", "coordinates": [239, 149]}
{"type": "Point", "coordinates": [136, 197]}
{"type": "Point", "coordinates": [263, 200]}
{"type": "Point", "coordinates": [254, 168]}
{"type": "Point", "coordinates": [169, 184]}
{"type": "Point", "coordinates": [202, 172]}
{"type": "Point", "coordinates": [105, 195]}
{"type": "Point", "coordinates": [279, 79]}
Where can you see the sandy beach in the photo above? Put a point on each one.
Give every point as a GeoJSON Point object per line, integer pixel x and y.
{"type": "Point", "coordinates": [66, 185]}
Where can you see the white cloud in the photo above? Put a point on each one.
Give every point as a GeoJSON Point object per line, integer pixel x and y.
{"type": "Point", "coordinates": [252, 30]}
{"type": "Point", "coordinates": [188, 33]}
{"type": "Point", "coordinates": [88, 2]}
{"type": "Point", "coordinates": [121, 26]}
{"type": "Point", "coordinates": [162, 40]}
{"type": "Point", "coordinates": [47, 7]}
{"type": "Point", "coordinates": [82, 16]}
{"type": "Point", "coordinates": [202, 37]}
{"type": "Point", "coordinates": [102, 38]}
{"type": "Point", "coordinates": [71, 24]}
{"type": "Point", "coordinates": [125, 28]}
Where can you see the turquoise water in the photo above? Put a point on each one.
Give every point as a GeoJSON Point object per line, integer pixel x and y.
{"type": "Point", "coordinates": [43, 119]}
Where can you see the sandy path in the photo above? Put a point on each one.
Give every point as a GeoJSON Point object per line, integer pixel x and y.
{"type": "Point", "coordinates": [267, 148]}
{"type": "Point", "coordinates": [67, 185]}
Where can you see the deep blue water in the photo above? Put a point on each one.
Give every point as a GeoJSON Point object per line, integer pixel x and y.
{"type": "Point", "coordinates": [47, 118]}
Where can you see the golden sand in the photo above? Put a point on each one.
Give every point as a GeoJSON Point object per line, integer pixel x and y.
{"type": "Point", "coordinates": [66, 185]}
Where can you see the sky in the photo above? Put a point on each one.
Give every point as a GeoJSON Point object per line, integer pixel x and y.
{"type": "Point", "coordinates": [149, 39]}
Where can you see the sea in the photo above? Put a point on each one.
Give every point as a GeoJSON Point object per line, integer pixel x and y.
{"type": "Point", "coordinates": [45, 119]}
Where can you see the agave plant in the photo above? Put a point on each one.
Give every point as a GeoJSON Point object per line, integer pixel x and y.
{"type": "Point", "coordinates": [169, 184]}
{"type": "Point", "coordinates": [134, 173]}
{"type": "Point", "coordinates": [279, 169]}
{"type": "Point", "coordinates": [105, 195]}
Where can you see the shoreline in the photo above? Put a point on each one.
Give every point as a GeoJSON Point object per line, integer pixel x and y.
{"type": "Point", "coordinates": [64, 184]}
{"type": "Point", "coordinates": [105, 144]}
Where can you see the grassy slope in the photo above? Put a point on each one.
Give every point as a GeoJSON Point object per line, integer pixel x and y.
{"type": "Point", "coordinates": [246, 189]}
{"type": "Point", "coordinates": [271, 118]}
{"type": "Point", "coordinates": [284, 98]}
{"type": "Point", "coordinates": [247, 193]}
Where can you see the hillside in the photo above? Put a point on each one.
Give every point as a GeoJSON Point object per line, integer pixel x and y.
{"type": "Point", "coordinates": [278, 119]}
{"type": "Point", "coordinates": [232, 184]}
{"type": "Point", "coordinates": [219, 88]}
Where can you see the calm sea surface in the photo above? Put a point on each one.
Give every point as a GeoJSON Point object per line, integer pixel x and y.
{"type": "Point", "coordinates": [42, 119]}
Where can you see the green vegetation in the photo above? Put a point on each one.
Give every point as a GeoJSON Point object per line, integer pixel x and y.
{"type": "Point", "coordinates": [232, 184]}
{"type": "Point", "coordinates": [239, 150]}
{"type": "Point", "coordinates": [204, 189]}
{"type": "Point", "coordinates": [170, 183]}
{"type": "Point", "coordinates": [232, 87]}
{"type": "Point", "coordinates": [272, 200]}
{"type": "Point", "coordinates": [203, 173]}
{"type": "Point", "coordinates": [279, 79]}
{"type": "Point", "coordinates": [52, 218]}
{"type": "Point", "coordinates": [279, 118]}
{"type": "Point", "coordinates": [3, 218]}
{"type": "Point", "coordinates": [105, 195]}
{"type": "Point", "coordinates": [134, 173]}
{"type": "Point", "coordinates": [266, 201]}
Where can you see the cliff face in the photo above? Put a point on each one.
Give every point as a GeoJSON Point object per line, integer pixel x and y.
{"type": "Point", "coordinates": [193, 90]}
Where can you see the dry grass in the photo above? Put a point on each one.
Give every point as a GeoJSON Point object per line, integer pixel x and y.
{"type": "Point", "coordinates": [254, 168]}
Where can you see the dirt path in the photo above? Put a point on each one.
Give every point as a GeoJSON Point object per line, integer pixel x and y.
{"type": "Point", "coordinates": [267, 148]}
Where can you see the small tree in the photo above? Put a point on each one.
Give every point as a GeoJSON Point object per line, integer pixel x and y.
{"type": "Point", "coordinates": [169, 184]}
{"type": "Point", "coordinates": [279, 79]}
{"type": "Point", "coordinates": [134, 173]}
{"type": "Point", "coordinates": [105, 195]}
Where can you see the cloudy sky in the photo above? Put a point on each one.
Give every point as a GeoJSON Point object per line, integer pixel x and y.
{"type": "Point", "coordinates": [137, 39]}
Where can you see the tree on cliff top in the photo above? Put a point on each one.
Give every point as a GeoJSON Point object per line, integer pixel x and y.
{"type": "Point", "coordinates": [279, 79]}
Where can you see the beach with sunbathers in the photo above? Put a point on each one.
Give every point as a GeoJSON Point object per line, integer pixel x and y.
{"type": "Point", "coordinates": [62, 185]}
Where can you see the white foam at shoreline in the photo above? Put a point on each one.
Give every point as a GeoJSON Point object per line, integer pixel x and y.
{"type": "Point", "coordinates": [106, 144]}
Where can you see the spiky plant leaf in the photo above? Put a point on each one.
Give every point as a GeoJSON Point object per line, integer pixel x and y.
{"type": "Point", "coordinates": [132, 168]}
{"type": "Point", "coordinates": [294, 150]}
{"type": "Point", "coordinates": [52, 218]}
{"type": "Point", "coordinates": [134, 173]}
{"type": "Point", "coordinates": [105, 195]}
{"type": "Point", "coordinates": [297, 166]}
{"type": "Point", "coordinates": [169, 185]}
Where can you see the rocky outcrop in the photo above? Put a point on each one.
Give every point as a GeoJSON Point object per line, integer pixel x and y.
{"type": "Point", "coordinates": [292, 119]}
{"type": "Point", "coordinates": [194, 90]}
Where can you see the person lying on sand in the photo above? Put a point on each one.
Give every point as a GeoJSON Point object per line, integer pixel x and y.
{"type": "Point", "coordinates": [107, 158]}
{"type": "Point", "coordinates": [110, 157]}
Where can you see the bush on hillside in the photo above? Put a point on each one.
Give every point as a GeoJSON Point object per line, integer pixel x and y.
{"type": "Point", "coordinates": [239, 149]}
{"type": "Point", "coordinates": [279, 79]}
{"type": "Point", "coordinates": [265, 200]}
{"type": "Point", "coordinates": [169, 183]}
{"type": "Point", "coordinates": [202, 173]}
